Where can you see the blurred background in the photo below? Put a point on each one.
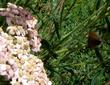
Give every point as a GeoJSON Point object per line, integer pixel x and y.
{"type": "Point", "coordinates": [75, 39]}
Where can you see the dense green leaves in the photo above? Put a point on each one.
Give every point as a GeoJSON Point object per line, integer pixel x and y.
{"type": "Point", "coordinates": [63, 26]}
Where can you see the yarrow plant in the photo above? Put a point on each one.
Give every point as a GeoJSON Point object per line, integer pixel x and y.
{"type": "Point", "coordinates": [17, 64]}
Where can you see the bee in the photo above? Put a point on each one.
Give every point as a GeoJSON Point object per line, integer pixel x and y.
{"type": "Point", "coordinates": [93, 40]}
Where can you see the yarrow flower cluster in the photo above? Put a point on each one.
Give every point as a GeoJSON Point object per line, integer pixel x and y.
{"type": "Point", "coordinates": [25, 22]}
{"type": "Point", "coordinates": [17, 64]}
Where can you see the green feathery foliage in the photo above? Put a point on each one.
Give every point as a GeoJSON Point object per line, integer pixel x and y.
{"type": "Point", "coordinates": [63, 26]}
